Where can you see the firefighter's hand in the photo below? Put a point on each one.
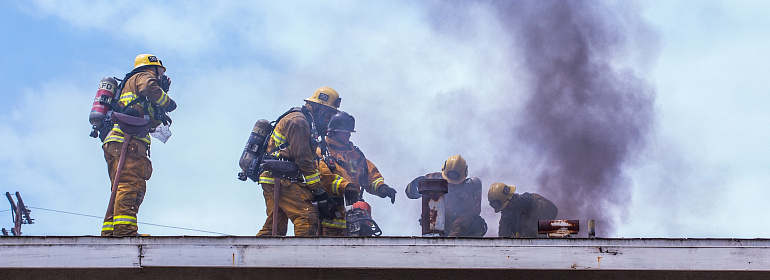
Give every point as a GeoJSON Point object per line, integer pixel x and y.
{"type": "Point", "coordinates": [325, 204]}
{"type": "Point", "coordinates": [386, 191]}
{"type": "Point", "coordinates": [171, 105]}
{"type": "Point", "coordinates": [351, 194]}
{"type": "Point", "coordinates": [411, 188]}
{"type": "Point", "coordinates": [165, 83]}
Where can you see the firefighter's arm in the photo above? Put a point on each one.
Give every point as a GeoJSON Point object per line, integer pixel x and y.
{"type": "Point", "coordinates": [332, 183]}
{"type": "Point", "coordinates": [506, 226]}
{"type": "Point", "coordinates": [375, 178]}
{"type": "Point", "coordinates": [298, 137]}
{"type": "Point", "coordinates": [461, 225]}
{"type": "Point", "coordinates": [475, 184]}
{"type": "Point", "coordinates": [149, 87]}
{"type": "Point", "coordinates": [378, 186]}
{"type": "Point", "coordinates": [411, 188]}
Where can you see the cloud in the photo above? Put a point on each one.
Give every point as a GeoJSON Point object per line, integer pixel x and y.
{"type": "Point", "coordinates": [424, 80]}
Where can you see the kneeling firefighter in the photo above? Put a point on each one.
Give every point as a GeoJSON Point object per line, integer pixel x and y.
{"type": "Point", "coordinates": [141, 107]}
{"type": "Point", "coordinates": [520, 213]}
{"type": "Point", "coordinates": [462, 201]}
{"type": "Point", "coordinates": [345, 171]}
{"type": "Point", "coordinates": [293, 142]}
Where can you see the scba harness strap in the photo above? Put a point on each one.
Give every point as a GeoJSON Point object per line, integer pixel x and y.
{"type": "Point", "coordinates": [284, 145]}
{"type": "Point", "coordinates": [271, 161]}
{"type": "Point", "coordinates": [114, 103]}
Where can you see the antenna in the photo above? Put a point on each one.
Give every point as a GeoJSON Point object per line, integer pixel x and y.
{"type": "Point", "coordinates": [19, 213]}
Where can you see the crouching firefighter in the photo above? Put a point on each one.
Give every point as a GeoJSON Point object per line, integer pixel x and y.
{"type": "Point", "coordinates": [140, 107]}
{"type": "Point", "coordinates": [345, 171]}
{"type": "Point", "coordinates": [520, 212]}
{"type": "Point", "coordinates": [293, 142]}
{"type": "Point", "coordinates": [462, 202]}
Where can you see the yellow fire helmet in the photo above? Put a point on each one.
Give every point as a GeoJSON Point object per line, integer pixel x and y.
{"type": "Point", "coordinates": [146, 60]}
{"type": "Point", "coordinates": [499, 195]}
{"type": "Point", "coordinates": [455, 170]}
{"type": "Point", "coordinates": [326, 96]}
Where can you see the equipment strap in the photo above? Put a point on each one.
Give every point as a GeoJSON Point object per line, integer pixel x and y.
{"type": "Point", "coordinates": [116, 107]}
{"type": "Point", "coordinates": [366, 171]}
{"type": "Point", "coordinates": [132, 103]}
{"type": "Point", "coordinates": [160, 114]}
{"type": "Point", "coordinates": [308, 117]}
{"type": "Point", "coordinates": [326, 156]}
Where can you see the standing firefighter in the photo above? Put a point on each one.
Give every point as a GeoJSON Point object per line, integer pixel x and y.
{"type": "Point", "coordinates": [462, 202]}
{"type": "Point", "coordinates": [294, 140]}
{"type": "Point", "coordinates": [345, 170]}
{"type": "Point", "coordinates": [520, 212]}
{"type": "Point", "coordinates": [144, 96]}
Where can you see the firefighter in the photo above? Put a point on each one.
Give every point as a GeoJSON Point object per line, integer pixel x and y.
{"type": "Point", "coordinates": [520, 212]}
{"type": "Point", "coordinates": [294, 139]}
{"type": "Point", "coordinates": [462, 202]}
{"type": "Point", "coordinates": [144, 94]}
{"type": "Point", "coordinates": [345, 171]}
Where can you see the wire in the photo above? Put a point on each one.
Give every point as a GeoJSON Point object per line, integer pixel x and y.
{"type": "Point", "coordinates": [150, 224]}
{"type": "Point", "coordinates": [65, 212]}
{"type": "Point", "coordinates": [5, 210]}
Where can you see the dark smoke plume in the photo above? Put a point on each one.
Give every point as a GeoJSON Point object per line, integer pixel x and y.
{"type": "Point", "coordinates": [588, 114]}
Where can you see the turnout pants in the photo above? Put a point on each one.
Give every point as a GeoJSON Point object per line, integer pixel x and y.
{"type": "Point", "coordinates": [132, 186]}
{"type": "Point", "coordinates": [336, 226]}
{"type": "Point", "coordinates": [295, 204]}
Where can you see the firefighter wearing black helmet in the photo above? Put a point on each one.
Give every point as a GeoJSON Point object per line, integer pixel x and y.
{"type": "Point", "coordinates": [294, 140]}
{"type": "Point", "coordinates": [345, 171]}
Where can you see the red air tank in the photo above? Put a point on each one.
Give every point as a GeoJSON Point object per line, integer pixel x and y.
{"type": "Point", "coordinates": [104, 95]}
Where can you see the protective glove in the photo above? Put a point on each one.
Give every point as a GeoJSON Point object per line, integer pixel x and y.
{"type": "Point", "coordinates": [351, 194]}
{"type": "Point", "coordinates": [411, 188]}
{"type": "Point", "coordinates": [165, 83]}
{"type": "Point", "coordinates": [171, 105]}
{"type": "Point", "coordinates": [385, 191]}
{"type": "Point", "coordinates": [325, 204]}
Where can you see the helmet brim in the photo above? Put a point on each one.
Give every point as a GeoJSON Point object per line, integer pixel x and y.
{"type": "Point", "coordinates": [332, 107]}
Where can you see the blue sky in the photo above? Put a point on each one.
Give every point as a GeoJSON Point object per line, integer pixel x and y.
{"type": "Point", "coordinates": [418, 77]}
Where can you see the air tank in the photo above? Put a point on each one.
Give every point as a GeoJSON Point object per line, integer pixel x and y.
{"type": "Point", "coordinates": [255, 148]}
{"type": "Point", "coordinates": [101, 105]}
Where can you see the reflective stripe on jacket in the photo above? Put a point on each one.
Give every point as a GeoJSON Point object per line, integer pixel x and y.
{"type": "Point", "coordinates": [351, 167]}
{"type": "Point", "coordinates": [140, 84]}
{"type": "Point", "coordinates": [293, 130]}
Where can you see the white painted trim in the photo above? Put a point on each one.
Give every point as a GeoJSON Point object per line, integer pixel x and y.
{"type": "Point", "coordinates": [386, 252]}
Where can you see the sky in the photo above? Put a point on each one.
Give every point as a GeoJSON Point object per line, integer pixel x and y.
{"type": "Point", "coordinates": [647, 116]}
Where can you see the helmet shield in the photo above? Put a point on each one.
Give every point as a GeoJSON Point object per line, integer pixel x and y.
{"type": "Point", "coordinates": [499, 195]}
{"type": "Point", "coordinates": [455, 170]}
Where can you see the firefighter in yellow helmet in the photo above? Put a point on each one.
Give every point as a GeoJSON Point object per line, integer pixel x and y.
{"type": "Point", "coordinates": [462, 202]}
{"type": "Point", "coordinates": [145, 95]}
{"type": "Point", "coordinates": [520, 213]}
{"type": "Point", "coordinates": [345, 171]}
{"type": "Point", "coordinates": [294, 139]}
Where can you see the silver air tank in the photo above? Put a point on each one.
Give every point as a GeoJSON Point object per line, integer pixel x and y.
{"type": "Point", "coordinates": [251, 157]}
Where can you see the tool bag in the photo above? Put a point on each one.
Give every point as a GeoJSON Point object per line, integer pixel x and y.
{"type": "Point", "coordinates": [282, 168]}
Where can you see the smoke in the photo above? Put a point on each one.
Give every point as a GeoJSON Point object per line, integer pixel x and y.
{"type": "Point", "coordinates": [573, 113]}
{"type": "Point", "coordinates": [541, 95]}
{"type": "Point", "coordinates": [588, 114]}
